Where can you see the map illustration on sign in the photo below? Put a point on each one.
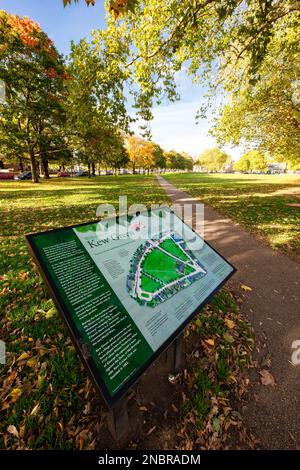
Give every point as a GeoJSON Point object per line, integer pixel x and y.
{"type": "Point", "coordinates": [126, 287]}
{"type": "Point", "coordinates": [160, 268]}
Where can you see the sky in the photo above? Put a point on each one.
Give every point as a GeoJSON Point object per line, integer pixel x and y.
{"type": "Point", "coordinates": [174, 126]}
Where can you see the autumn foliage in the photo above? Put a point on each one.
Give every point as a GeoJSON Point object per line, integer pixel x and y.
{"type": "Point", "coordinates": [26, 37]}
{"type": "Point", "coordinates": [27, 33]}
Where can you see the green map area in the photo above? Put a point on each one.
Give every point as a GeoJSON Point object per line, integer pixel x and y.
{"type": "Point", "coordinates": [160, 268]}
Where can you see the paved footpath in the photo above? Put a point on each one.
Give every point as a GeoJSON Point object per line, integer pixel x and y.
{"type": "Point", "coordinates": [273, 309]}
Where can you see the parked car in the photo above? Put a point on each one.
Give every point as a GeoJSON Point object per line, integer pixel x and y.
{"type": "Point", "coordinates": [63, 174]}
{"type": "Point", "coordinates": [26, 175]}
{"type": "Point", "coordinates": [109, 172]}
{"type": "Point", "coordinates": [82, 173]}
{"type": "Point", "coordinates": [6, 175]}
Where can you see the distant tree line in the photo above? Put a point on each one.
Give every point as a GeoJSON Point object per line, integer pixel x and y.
{"type": "Point", "coordinates": [58, 113]}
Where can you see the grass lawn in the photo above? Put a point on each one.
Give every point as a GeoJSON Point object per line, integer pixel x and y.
{"type": "Point", "coordinates": [149, 285]}
{"type": "Point", "coordinates": [46, 399]}
{"type": "Point", "coordinates": [161, 266]}
{"type": "Point", "coordinates": [172, 248]}
{"type": "Point", "coordinates": [43, 388]}
{"type": "Point", "coordinates": [260, 203]}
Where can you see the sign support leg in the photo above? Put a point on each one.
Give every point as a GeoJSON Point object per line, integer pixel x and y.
{"type": "Point", "coordinates": [118, 422]}
{"type": "Point", "coordinates": [175, 357]}
{"type": "Point", "coordinates": [178, 354]}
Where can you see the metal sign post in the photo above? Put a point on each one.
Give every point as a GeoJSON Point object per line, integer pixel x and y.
{"type": "Point", "coordinates": [118, 421]}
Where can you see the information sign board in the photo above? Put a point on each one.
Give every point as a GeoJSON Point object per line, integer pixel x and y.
{"type": "Point", "coordinates": [126, 287]}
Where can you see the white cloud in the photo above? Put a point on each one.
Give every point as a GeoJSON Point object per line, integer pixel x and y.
{"type": "Point", "coordinates": [174, 128]}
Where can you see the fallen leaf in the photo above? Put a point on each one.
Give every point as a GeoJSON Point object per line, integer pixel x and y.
{"type": "Point", "coordinates": [151, 430]}
{"type": "Point", "coordinates": [211, 342]}
{"type": "Point", "coordinates": [32, 362]}
{"type": "Point", "coordinates": [35, 410]}
{"type": "Point", "coordinates": [267, 361]}
{"type": "Point", "coordinates": [174, 408]}
{"type": "Point", "coordinates": [13, 430]}
{"type": "Point", "coordinates": [267, 378]}
{"type": "Point", "coordinates": [246, 288]}
{"type": "Point", "coordinates": [50, 313]}
{"type": "Point", "coordinates": [15, 394]}
{"type": "Point", "coordinates": [228, 338]}
{"type": "Point", "coordinates": [5, 406]}
{"type": "Point", "coordinates": [216, 425]}
{"type": "Point", "coordinates": [23, 356]}
{"type": "Point", "coordinates": [143, 408]}
{"type": "Point", "coordinates": [229, 323]}
{"type": "Point", "coordinates": [23, 276]}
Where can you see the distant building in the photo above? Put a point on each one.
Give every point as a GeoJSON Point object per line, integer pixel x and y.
{"type": "Point", "coordinates": [276, 168]}
{"type": "Point", "coordinates": [198, 169]}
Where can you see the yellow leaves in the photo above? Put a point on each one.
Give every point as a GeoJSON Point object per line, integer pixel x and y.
{"type": "Point", "coordinates": [210, 341]}
{"type": "Point", "coordinates": [246, 288]}
{"type": "Point", "coordinates": [40, 380]}
{"type": "Point", "coordinates": [15, 394]}
{"type": "Point", "coordinates": [229, 323]}
{"type": "Point", "coordinates": [32, 362]}
{"type": "Point", "coordinates": [50, 313]}
{"type": "Point", "coordinates": [23, 356]}
{"type": "Point", "coordinates": [23, 276]}
{"type": "Point", "coordinates": [198, 322]}
{"type": "Point", "coordinates": [35, 410]}
{"type": "Point", "coordinates": [60, 426]}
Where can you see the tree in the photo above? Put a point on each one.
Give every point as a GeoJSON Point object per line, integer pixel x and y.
{"type": "Point", "coordinates": [147, 155]}
{"type": "Point", "coordinates": [134, 147]}
{"type": "Point", "coordinates": [96, 104]}
{"type": "Point", "coordinates": [188, 161]}
{"type": "Point", "coordinates": [213, 159]}
{"type": "Point", "coordinates": [34, 75]}
{"type": "Point", "coordinates": [226, 44]}
{"type": "Point", "coordinates": [266, 113]}
{"type": "Point", "coordinates": [242, 165]}
{"type": "Point", "coordinates": [258, 160]}
{"type": "Point", "coordinates": [178, 161]}
{"type": "Point", "coordinates": [115, 155]}
{"type": "Point", "coordinates": [159, 157]}
{"type": "Point", "coordinates": [253, 160]}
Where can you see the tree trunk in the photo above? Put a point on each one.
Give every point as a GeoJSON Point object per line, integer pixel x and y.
{"type": "Point", "coordinates": [45, 166]}
{"type": "Point", "coordinates": [89, 169]}
{"type": "Point", "coordinates": [93, 169]}
{"type": "Point", "coordinates": [35, 176]}
{"type": "Point", "coordinates": [1, 164]}
{"type": "Point", "coordinates": [21, 164]}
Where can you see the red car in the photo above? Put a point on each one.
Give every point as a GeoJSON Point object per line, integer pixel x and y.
{"type": "Point", "coordinates": [63, 174]}
{"type": "Point", "coordinates": [6, 176]}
